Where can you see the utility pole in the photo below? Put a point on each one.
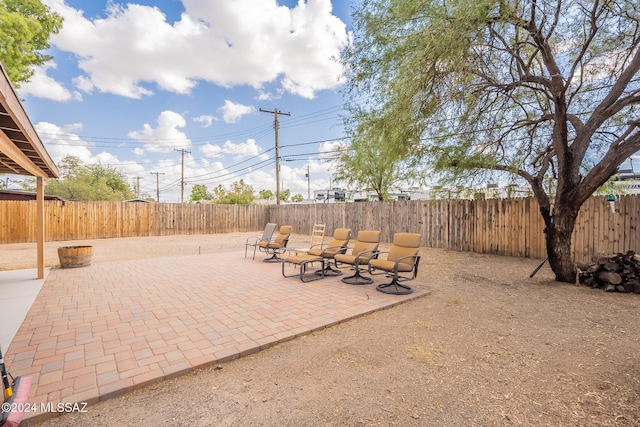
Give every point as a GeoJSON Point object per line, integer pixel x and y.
{"type": "Point", "coordinates": [308, 184]}
{"type": "Point", "coordinates": [182, 177]}
{"type": "Point", "coordinates": [157, 174]}
{"type": "Point", "coordinates": [275, 113]}
{"type": "Point", "coordinates": [137, 186]}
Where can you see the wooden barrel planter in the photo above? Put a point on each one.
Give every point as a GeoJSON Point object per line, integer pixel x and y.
{"type": "Point", "coordinates": [75, 256]}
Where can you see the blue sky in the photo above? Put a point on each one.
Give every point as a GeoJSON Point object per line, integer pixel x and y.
{"type": "Point", "coordinates": [130, 85]}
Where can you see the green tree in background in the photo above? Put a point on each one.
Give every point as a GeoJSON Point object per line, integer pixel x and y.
{"type": "Point", "coordinates": [297, 198]}
{"type": "Point", "coordinates": [266, 194]}
{"type": "Point", "coordinates": [25, 28]}
{"type": "Point", "coordinates": [285, 194]}
{"type": "Point", "coordinates": [239, 193]}
{"type": "Point", "coordinates": [542, 89]}
{"type": "Point", "coordinates": [370, 163]}
{"type": "Point", "coordinates": [199, 192]}
{"type": "Point", "coordinates": [88, 182]}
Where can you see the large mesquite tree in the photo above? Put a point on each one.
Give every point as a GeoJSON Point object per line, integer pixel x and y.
{"type": "Point", "coordinates": [547, 90]}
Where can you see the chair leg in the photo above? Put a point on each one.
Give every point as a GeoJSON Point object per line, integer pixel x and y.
{"type": "Point", "coordinates": [394, 288]}
{"type": "Point", "coordinates": [327, 270]}
{"type": "Point", "coordinates": [274, 258]}
{"type": "Point", "coordinates": [357, 278]}
{"type": "Point", "coordinates": [315, 275]}
{"type": "Point", "coordinates": [303, 275]}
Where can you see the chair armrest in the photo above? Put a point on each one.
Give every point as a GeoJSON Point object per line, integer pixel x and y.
{"type": "Point", "coordinates": [254, 242]}
{"type": "Point", "coordinates": [340, 250]}
{"type": "Point", "coordinates": [374, 253]}
{"type": "Point", "coordinates": [395, 266]}
{"type": "Point", "coordinates": [369, 263]}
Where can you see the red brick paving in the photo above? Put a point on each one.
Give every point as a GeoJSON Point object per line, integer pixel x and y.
{"type": "Point", "coordinates": [100, 331]}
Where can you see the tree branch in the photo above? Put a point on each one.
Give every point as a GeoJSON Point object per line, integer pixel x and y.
{"type": "Point", "coordinates": [595, 14]}
{"type": "Point", "coordinates": [608, 107]}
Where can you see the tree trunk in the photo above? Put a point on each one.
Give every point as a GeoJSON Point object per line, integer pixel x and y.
{"type": "Point", "coordinates": [559, 231]}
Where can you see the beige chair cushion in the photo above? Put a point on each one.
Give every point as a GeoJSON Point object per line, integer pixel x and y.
{"type": "Point", "coordinates": [300, 258]}
{"type": "Point", "coordinates": [280, 240]}
{"type": "Point", "coordinates": [340, 239]}
{"type": "Point", "coordinates": [404, 244]}
{"type": "Point", "coordinates": [368, 240]}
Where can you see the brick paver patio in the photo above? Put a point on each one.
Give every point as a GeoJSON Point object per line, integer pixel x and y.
{"type": "Point", "coordinates": [101, 331]}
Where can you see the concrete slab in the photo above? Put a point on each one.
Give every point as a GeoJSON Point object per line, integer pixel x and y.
{"type": "Point", "coordinates": [18, 291]}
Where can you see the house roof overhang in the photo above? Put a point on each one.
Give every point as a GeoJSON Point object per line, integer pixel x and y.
{"type": "Point", "coordinates": [21, 150]}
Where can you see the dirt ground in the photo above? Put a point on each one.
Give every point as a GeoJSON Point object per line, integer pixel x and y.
{"type": "Point", "coordinates": [488, 347]}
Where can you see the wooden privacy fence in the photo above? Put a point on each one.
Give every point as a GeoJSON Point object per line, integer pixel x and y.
{"type": "Point", "coordinates": [502, 226]}
{"type": "Point", "coordinates": [96, 220]}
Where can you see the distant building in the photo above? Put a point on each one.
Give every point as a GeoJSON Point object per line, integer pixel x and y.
{"type": "Point", "coordinates": [24, 195]}
{"type": "Point", "coordinates": [330, 196]}
{"type": "Point", "coordinates": [628, 180]}
{"type": "Point", "coordinates": [137, 200]}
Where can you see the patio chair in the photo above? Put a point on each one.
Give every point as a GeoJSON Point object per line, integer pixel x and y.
{"type": "Point", "coordinates": [337, 245]}
{"type": "Point", "coordinates": [401, 263]}
{"type": "Point", "coordinates": [254, 241]}
{"type": "Point", "coordinates": [277, 245]}
{"type": "Point", "coordinates": [364, 249]}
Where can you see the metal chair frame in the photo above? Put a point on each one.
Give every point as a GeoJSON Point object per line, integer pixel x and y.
{"type": "Point", "coordinates": [269, 229]}
{"type": "Point", "coordinates": [395, 287]}
{"type": "Point", "coordinates": [357, 278]}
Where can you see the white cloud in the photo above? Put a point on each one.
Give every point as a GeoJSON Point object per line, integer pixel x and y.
{"type": "Point", "coordinates": [237, 151]}
{"type": "Point", "coordinates": [206, 120]}
{"type": "Point", "coordinates": [165, 137]}
{"type": "Point", "coordinates": [43, 86]}
{"type": "Point", "coordinates": [330, 149]}
{"type": "Point", "coordinates": [83, 83]}
{"type": "Point", "coordinates": [232, 112]}
{"type": "Point", "coordinates": [228, 43]}
{"type": "Point", "coordinates": [266, 96]}
{"type": "Point", "coordinates": [61, 142]}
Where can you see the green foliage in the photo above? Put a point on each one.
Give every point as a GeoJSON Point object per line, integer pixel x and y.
{"type": "Point", "coordinates": [612, 186]}
{"type": "Point", "coordinates": [25, 28]}
{"type": "Point", "coordinates": [28, 183]}
{"type": "Point", "coordinates": [371, 162]}
{"type": "Point", "coordinates": [266, 194]}
{"type": "Point", "coordinates": [545, 90]}
{"type": "Point", "coordinates": [297, 198]}
{"type": "Point", "coordinates": [510, 86]}
{"type": "Point", "coordinates": [88, 182]}
{"type": "Point", "coordinates": [285, 194]}
{"type": "Point", "coordinates": [239, 193]}
{"type": "Point", "coordinates": [199, 192]}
